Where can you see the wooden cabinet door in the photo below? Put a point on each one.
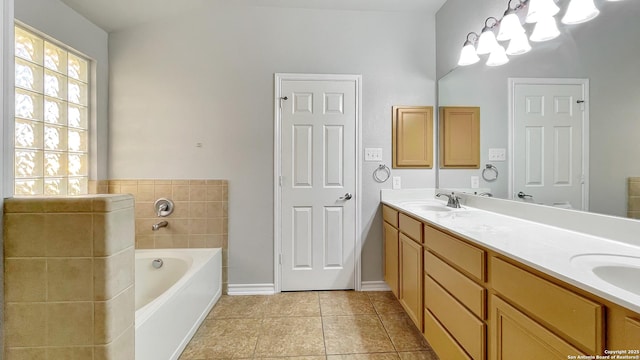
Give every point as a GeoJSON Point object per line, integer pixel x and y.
{"type": "Point", "coordinates": [411, 279]}
{"type": "Point", "coordinates": [460, 137]}
{"type": "Point", "coordinates": [516, 336]}
{"type": "Point", "coordinates": [391, 257]}
{"type": "Point", "coordinates": [412, 138]}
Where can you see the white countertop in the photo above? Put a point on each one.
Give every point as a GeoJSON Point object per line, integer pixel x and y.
{"type": "Point", "coordinates": [546, 248]}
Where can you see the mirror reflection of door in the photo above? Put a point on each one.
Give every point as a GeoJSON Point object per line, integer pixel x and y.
{"type": "Point", "coordinates": [550, 135]}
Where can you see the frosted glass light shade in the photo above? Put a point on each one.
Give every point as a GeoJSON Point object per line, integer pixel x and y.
{"type": "Point", "coordinates": [487, 42]}
{"type": "Point", "coordinates": [580, 11]}
{"type": "Point", "coordinates": [539, 9]}
{"type": "Point", "coordinates": [468, 55]}
{"type": "Point", "coordinates": [546, 29]}
{"type": "Point", "coordinates": [519, 45]}
{"type": "Point", "coordinates": [497, 57]}
{"type": "Point", "coordinates": [509, 27]}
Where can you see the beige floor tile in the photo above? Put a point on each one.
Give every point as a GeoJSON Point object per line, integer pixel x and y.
{"type": "Point", "coordinates": [385, 302]}
{"type": "Point", "coordinates": [375, 356]}
{"type": "Point", "coordinates": [403, 333]}
{"type": "Point", "coordinates": [229, 338]}
{"type": "Point", "coordinates": [355, 334]}
{"type": "Point", "coordinates": [345, 303]}
{"type": "Point", "coordinates": [418, 355]}
{"type": "Point", "coordinates": [290, 336]}
{"type": "Point", "coordinates": [195, 350]}
{"type": "Point", "coordinates": [294, 358]}
{"type": "Point", "coordinates": [239, 307]}
{"type": "Point", "coordinates": [293, 304]}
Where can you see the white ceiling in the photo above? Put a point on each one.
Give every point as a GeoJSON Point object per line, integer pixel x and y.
{"type": "Point", "coordinates": [114, 15]}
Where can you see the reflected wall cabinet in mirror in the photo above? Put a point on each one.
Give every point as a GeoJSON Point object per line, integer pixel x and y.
{"type": "Point", "coordinates": [412, 139]}
{"type": "Point", "coordinates": [459, 137]}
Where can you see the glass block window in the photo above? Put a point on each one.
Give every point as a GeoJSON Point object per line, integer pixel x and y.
{"type": "Point", "coordinates": [52, 111]}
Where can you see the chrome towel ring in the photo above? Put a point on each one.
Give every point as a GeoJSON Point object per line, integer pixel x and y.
{"type": "Point", "coordinates": [490, 173]}
{"type": "Point", "coordinates": [386, 173]}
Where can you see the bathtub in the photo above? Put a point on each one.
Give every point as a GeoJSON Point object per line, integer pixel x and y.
{"type": "Point", "coordinates": [173, 300]}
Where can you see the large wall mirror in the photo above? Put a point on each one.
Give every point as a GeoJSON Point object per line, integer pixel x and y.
{"type": "Point", "coordinates": [606, 52]}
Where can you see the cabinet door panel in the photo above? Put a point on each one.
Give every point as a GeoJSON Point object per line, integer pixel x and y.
{"type": "Point", "coordinates": [390, 215]}
{"type": "Point", "coordinates": [441, 341]}
{"type": "Point", "coordinates": [391, 257]}
{"type": "Point", "coordinates": [412, 137]}
{"type": "Point", "coordinates": [460, 137]}
{"type": "Point", "coordinates": [411, 279]}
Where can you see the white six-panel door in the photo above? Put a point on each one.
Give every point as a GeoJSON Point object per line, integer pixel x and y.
{"type": "Point", "coordinates": [318, 184]}
{"type": "Point", "coordinates": [549, 143]}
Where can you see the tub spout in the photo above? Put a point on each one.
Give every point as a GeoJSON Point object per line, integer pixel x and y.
{"type": "Point", "coordinates": [161, 224]}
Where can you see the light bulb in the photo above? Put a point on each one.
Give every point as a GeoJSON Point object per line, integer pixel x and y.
{"type": "Point", "coordinates": [509, 26]}
{"type": "Point", "coordinates": [487, 42]}
{"type": "Point", "coordinates": [468, 55]}
{"type": "Point", "coordinates": [580, 11]}
{"type": "Point", "coordinates": [546, 29]}
{"type": "Point", "coordinates": [539, 9]}
{"type": "Point", "coordinates": [519, 45]}
{"type": "Point", "coordinates": [497, 57]}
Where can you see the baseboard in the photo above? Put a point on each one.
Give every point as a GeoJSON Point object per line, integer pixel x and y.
{"type": "Point", "coordinates": [251, 289]}
{"type": "Point", "coordinates": [374, 286]}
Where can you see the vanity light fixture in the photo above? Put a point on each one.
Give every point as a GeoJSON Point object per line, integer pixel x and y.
{"type": "Point", "coordinates": [541, 8]}
{"type": "Point", "coordinates": [487, 41]}
{"type": "Point", "coordinates": [580, 11]}
{"type": "Point", "coordinates": [546, 29]}
{"type": "Point", "coordinates": [519, 45]}
{"type": "Point", "coordinates": [498, 56]}
{"type": "Point", "coordinates": [510, 24]}
{"type": "Point", "coordinates": [468, 55]}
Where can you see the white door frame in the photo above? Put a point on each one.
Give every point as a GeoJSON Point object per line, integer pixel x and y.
{"type": "Point", "coordinates": [585, 126]}
{"type": "Point", "coordinates": [277, 166]}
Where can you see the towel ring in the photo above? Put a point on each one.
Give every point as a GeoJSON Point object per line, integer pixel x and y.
{"type": "Point", "coordinates": [382, 168]}
{"type": "Point", "coordinates": [490, 173]}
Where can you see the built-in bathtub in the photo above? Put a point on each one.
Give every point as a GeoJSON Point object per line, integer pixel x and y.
{"type": "Point", "coordinates": [172, 300]}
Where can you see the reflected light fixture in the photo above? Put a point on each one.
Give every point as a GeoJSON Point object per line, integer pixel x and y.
{"type": "Point", "coordinates": [580, 11]}
{"type": "Point", "coordinates": [539, 9]}
{"type": "Point", "coordinates": [468, 55]}
{"type": "Point", "coordinates": [546, 29]}
{"type": "Point", "coordinates": [519, 45]}
{"type": "Point", "coordinates": [510, 23]}
{"type": "Point", "coordinates": [487, 41]}
{"type": "Point", "coordinates": [497, 57]}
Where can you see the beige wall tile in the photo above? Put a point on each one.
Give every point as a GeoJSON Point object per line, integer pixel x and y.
{"type": "Point", "coordinates": [176, 227]}
{"type": "Point", "coordinates": [23, 205]}
{"type": "Point", "coordinates": [113, 231]}
{"type": "Point", "coordinates": [70, 323]}
{"type": "Point", "coordinates": [634, 187]}
{"type": "Point", "coordinates": [196, 241]}
{"type": "Point", "coordinates": [26, 353]}
{"type": "Point", "coordinates": [68, 205]}
{"type": "Point", "coordinates": [114, 317]}
{"type": "Point", "coordinates": [197, 192]}
{"type": "Point", "coordinates": [114, 189]}
{"type": "Point", "coordinates": [197, 182]}
{"type": "Point", "coordinates": [144, 209]}
{"type": "Point", "coordinates": [69, 234]}
{"type": "Point", "coordinates": [171, 241]}
{"type": "Point", "coordinates": [25, 280]}
{"type": "Point", "coordinates": [162, 182]}
{"type": "Point", "coordinates": [215, 209]}
{"type": "Point", "coordinates": [179, 182]}
{"type": "Point", "coordinates": [146, 182]}
{"type": "Point", "coordinates": [121, 349]}
{"type": "Point", "coordinates": [113, 274]}
{"type": "Point", "coordinates": [70, 279]}
{"type": "Point", "coordinates": [144, 242]}
{"type": "Point", "coordinates": [180, 210]}
{"type": "Point", "coordinates": [214, 241]}
{"type": "Point", "coordinates": [70, 353]}
{"type": "Point", "coordinates": [214, 193]}
{"type": "Point", "coordinates": [180, 192]}
{"type": "Point", "coordinates": [634, 203]}
{"type": "Point", "coordinates": [25, 324]}
{"type": "Point", "coordinates": [163, 191]}
{"type": "Point", "coordinates": [634, 214]}
{"type": "Point", "coordinates": [143, 227]}
{"type": "Point", "coordinates": [24, 235]}
{"type": "Point", "coordinates": [197, 210]}
{"type": "Point", "coordinates": [197, 226]}
{"type": "Point", "coordinates": [214, 226]}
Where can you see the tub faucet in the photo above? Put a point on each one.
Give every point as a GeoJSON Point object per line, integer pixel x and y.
{"type": "Point", "coordinates": [454, 200]}
{"type": "Point", "coordinates": [161, 224]}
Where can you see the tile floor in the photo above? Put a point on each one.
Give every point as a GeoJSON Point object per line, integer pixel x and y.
{"type": "Point", "coordinates": [331, 325]}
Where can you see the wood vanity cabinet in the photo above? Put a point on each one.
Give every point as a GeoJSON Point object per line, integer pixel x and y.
{"type": "Point", "coordinates": [412, 137]}
{"type": "Point", "coordinates": [459, 137]}
{"type": "Point", "coordinates": [410, 296]}
{"type": "Point", "coordinates": [391, 249]}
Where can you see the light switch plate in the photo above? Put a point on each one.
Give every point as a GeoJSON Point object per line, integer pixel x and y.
{"type": "Point", "coordinates": [372, 154]}
{"type": "Point", "coordinates": [475, 182]}
{"type": "Point", "coordinates": [397, 183]}
{"type": "Point", "coordinates": [497, 154]}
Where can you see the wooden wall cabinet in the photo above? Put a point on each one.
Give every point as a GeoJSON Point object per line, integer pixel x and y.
{"type": "Point", "coordinates": [412, 139]}
{"type": "Point", "coordinates": [459, 137]}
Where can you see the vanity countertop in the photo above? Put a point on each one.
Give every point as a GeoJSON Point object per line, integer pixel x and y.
{"type": "Point", "coordinates": [564, 254]}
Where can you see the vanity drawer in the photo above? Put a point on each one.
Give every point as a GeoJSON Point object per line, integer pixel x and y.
{"type": "Point", "coordinates": [440, 340]}
{"type": "Point", "coordinates": [465, 256]}
{"type": "Point", "coordinates": [632, 333]}
{"type": "Point", "coordinates": [577, 318]}
{"type": "Point", "coordinates": [390, 215]}
{"type": "Point", "coordinates": [411, 227]}
{"type": "Point", "coordinates": [470, 294]}
{"type": "Point", "coordinates": [468, 331]}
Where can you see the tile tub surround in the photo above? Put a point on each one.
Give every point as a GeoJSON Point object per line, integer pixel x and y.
{"type": "Point", "coordinates": [333, 325]}
{"type": "Point", "coordinates": [633, 206]}
{"type": "Point", "coordinates": [199, 220]}
{"type": "Point", "coordinates": [69, 277]}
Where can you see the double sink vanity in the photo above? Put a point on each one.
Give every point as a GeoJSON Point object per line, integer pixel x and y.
{"type": "Point", "coordinates": [491, 280]}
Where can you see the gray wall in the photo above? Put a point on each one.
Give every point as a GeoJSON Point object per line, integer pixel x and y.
{"type": "Point", "coordinates": [57, 20]}
{"type": "Point", "coordinates": [207, 77]}
{"type": "Point", "coordinates": [604, 50]}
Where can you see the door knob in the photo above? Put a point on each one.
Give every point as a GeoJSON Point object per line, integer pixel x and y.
{"type": "Point", "coordinates": [346, 196]}
{"type": "Point", "coordinates": [522, 195]}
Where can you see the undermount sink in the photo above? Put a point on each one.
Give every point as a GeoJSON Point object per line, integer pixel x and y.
{"type": "Point", "coordinates": [618, 270]}
{"type": "Point", "coordinates": [427, 205]}
{"type": "Point", "coordinates": [434, 207]}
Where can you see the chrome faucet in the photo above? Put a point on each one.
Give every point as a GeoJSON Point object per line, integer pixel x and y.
{"type": "Point", "coordinates": [454, 200]}
{"type": "Point", "coordinates": [161, 224]}
{"type": "Point", "coordinates": [487, 194]}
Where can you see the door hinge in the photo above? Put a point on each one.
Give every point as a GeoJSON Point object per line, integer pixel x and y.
{"type": "Point", "coordinates": [280, 259]}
